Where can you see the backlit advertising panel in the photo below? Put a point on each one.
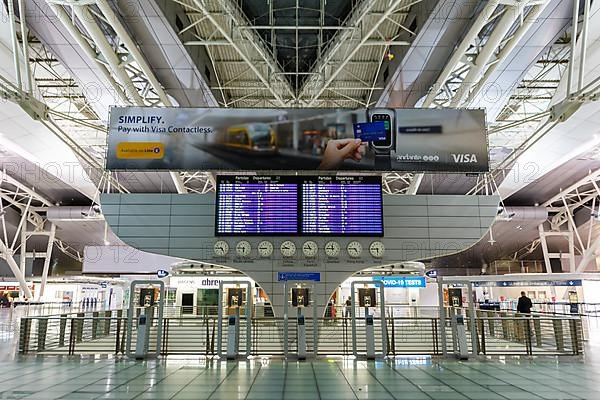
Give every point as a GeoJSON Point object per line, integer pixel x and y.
{"type": "Point", "coordinates": [227, 139]}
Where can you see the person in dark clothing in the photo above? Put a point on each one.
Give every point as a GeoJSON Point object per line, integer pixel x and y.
{"type": "Point", "coordinates": [524, 305]}
{"type": "Point", "coordinates": [348, 307]}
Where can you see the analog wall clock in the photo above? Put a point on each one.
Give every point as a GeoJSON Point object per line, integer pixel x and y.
{"type": "Point", "coordinates": [354, 249]}
{"type": "Point", "coordinates": [265, 248]}
{"type": "Point", "coordinates": [288, 248]}
{"type": "Point", "coordinates": [221, 248]}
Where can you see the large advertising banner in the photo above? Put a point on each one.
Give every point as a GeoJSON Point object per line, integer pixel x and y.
{"type": "Point", "coordinates": [237, 139]}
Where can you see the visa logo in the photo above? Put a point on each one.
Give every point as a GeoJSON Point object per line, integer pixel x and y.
{"type": "Point", "coordinates": [464, 158]}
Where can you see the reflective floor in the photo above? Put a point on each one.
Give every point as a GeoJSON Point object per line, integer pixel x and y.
{"type": "Point", "coordinates": [414, 378]}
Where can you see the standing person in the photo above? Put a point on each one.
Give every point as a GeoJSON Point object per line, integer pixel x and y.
{"type": "Point", "coordinates": [348, 307]}
{"type": "Point", "coordinates": [524, 305]}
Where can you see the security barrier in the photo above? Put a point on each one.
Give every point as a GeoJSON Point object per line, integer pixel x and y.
{"type": "Point", "coordinates": [498, 333]}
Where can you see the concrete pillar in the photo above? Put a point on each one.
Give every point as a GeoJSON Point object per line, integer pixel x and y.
{"type": "Point", "coordinates": [296, 135]}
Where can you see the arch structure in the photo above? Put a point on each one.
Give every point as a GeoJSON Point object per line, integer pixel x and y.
{"type": "Point", "coordinates": [416, 228]}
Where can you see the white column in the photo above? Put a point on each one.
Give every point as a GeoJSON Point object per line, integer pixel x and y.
{"type": "Point", "coordinates": [23, 253]}
{"type": "Point", "coordinates": [47, 260]}
{"type": "Point", "coordinates": [15, 269]}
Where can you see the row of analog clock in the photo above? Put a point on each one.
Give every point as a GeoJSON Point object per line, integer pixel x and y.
{"type": "Point", "coordinates": [288, 249]}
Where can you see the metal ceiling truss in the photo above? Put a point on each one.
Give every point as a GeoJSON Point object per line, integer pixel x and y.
{"type": "Point", "coordinates": [67, 103]}
{"type": "Point", "coordinates": [356, 54]}
{"type": "Point", "coordinates": [582, 195]}
{"type": "Point", "coordinates": [530, 102]}
{"type": "Point", "coordinates": [101, 35]}
{"type": "Point", "coordinates": [32, 208]}
{"type": "Point", "coordinates": [65, 109]}
{"type": "Point", "coordinates": [249, 74]}
{"type": "Point", "coordinates": [555, 62]}
{"type": "Point", "coordinates": [398, 183]}
{"type": "Point", "coordinates": [492, 37]}
{"type": "Point", "coordinates": [199, 182]}
{"type": "Point", "coordinates": [238, 54]}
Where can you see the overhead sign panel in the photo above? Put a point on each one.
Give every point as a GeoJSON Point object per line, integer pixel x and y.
{"type": "Point", "coordinates": [571, 282]}
{"type": "Point", "coordinates": [299, 276]}
{"type": "Point", "coordinates": [401, 281]}
{"type": "Point", "coordinates": [297, 139]}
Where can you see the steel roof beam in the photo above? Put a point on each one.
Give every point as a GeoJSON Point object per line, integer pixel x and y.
{"type": "Point", "coordinates": [106, 50]}
{"type": "Point", "coordinates": [111, 58]}
{"type": "Point", "coordinates": [115, 23]}
{"type": "Point", "coordinates": [474, 77]}
{"type": "Point", "coordinates": [199, 5]}
{"type": "Point", "coordinates": [364, 39]}
{"type": "Point", "coordinates": [482, 19]}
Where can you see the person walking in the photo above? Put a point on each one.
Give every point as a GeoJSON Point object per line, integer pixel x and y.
{"type": "Point", "coordinates": [524, 305]}
{"type": "Point", "coordinates": [524, 332]}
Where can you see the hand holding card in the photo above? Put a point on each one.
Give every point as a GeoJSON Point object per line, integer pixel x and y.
{"type": "Point", "coordinates": [370, 131]}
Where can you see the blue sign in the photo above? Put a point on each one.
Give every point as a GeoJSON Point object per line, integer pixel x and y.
{"type": "Point", "coordinates": [572, 282]}
{"type": "Point", "coordinates": [401, 281]}
{"type": "Point", "coordinates": [162, 273]}
{"type": "Point", "coordinates": [299, 276]}
{"type": "Point", "coordinates": [103, 285]}
{"type": "Point", "coordinates": [432, 273]}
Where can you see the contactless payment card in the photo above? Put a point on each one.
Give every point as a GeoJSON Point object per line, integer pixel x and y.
{"type": "Point", "coordinates": [370, 131]}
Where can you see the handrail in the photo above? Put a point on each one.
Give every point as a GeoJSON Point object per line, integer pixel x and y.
{"type": "Point", "coordinates": [502, 335]}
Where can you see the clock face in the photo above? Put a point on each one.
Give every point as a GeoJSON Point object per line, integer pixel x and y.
{"type": "Point", "coordinates": [310, 248]}
{"type": "Point", "coordinates": [332, 249]}
{"type": "Point", "coordinates": [354, 249]}
{"type": "Point", "coordinates": [377, 249]}
{"type": "Point", "coordinates": [265, 248]}
{"type": "Point", "coordinates": [243, 248]}
{"type": "Point", "coordinates": [288, 248]}
{"type": "Point", "coordinates": [221, 248]}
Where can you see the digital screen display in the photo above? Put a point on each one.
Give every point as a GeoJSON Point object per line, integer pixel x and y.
{"type": "Point", "coordinates": [334, 205]}
{"type": "Point", "coordinates": [387, 120]}
{"type": "Point", "coordinates": [256, 205]}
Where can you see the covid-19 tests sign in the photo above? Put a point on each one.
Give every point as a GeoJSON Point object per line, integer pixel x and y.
{"type": "Point", "coordinates": [401, 281]}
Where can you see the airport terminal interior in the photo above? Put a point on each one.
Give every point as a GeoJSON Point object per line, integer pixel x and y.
{"type": "Point", "coordinates": [300, 199]}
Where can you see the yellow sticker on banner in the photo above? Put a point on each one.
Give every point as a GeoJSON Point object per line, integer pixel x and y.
{"type": "Point", "coordinates": [141, 150]}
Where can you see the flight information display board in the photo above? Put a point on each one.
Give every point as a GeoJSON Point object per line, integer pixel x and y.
{"type": "Point", "coordinates": [257, 205]}
{"type": "Point", "coordinates": [336, 205]}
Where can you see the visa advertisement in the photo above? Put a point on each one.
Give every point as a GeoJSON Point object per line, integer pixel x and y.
{"type": "Point", "coordinates": [382, 139]}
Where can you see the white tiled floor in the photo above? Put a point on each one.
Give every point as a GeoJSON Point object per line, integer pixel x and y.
{"type": "Point", "coordinates": [411, 379]}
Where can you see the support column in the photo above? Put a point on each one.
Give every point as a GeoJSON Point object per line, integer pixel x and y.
{"type": "Point", "coordinates": [474, 336]}
{"type": "Point", "coordinates": [572, 266]}
{"type": "Point", "coordinates": [442, 315]}
{"type": "Point", "coordinates": [47, 260]}
{"type": "Point", "coordinates": [10, 260]}
{"type": "Point", "coordinates": [295, 135]}
{"type": "Point", "coordinates": [545, 248]}
{"type": "Point", "coordinates": [23, 257]}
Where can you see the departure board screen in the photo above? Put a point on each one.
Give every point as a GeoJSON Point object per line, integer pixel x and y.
{"type": "Point", "coordinates": [336, 205]}
{"type": "Point", "coordinates": [257, 205]}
